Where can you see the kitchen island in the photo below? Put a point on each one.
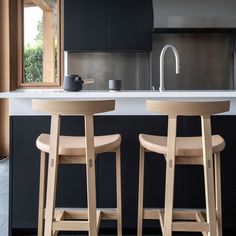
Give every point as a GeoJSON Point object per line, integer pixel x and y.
{"type": "Point", "coordinates": [20, 100]}
{"type": "Point", "coordinates": [129, 119]}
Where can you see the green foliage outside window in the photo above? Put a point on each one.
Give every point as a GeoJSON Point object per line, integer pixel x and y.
{"type": "Point", "coordinates": [33, 59]}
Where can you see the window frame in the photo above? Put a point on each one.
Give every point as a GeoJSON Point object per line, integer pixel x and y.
{"type": "Point", "coordinates": [20, 49]}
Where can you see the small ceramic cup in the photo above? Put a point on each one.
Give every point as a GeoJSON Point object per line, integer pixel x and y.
{"type": "Point", "coordinates": [114, 84]}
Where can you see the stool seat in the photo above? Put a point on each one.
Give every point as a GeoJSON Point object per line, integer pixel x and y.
{"type": "Point", "coordinates": [185, 146]}
{"type": "Point", "coordinates": [75, 145]}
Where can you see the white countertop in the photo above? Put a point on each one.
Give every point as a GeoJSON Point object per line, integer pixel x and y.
{"type": "Point", "coordinates": [60, 93]}
{"type": "Point", "coordinates": [127, 102]}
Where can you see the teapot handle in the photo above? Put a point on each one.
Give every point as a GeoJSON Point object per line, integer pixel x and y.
{"type": "Point", "coordinates": [88, 81]}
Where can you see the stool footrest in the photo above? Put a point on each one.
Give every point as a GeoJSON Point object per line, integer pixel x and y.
{"type": "Point", "coordinates": [70, 226]}
{"type": "Point", "coordinates": [82, 213]}
{"type": "Point", "coordinates": [183, 220]}
{"type": "Point", "coordinates": [189, 226]}
{"type": "Point", "coordinates": [60, 224]}
{"type": "Point", "coordinates": [151, 214]}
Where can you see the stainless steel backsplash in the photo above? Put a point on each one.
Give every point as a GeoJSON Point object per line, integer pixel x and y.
{"type": "Point", "coordinates": [206, 60]}
{"type": "Point", "coordinates": [133, 69]}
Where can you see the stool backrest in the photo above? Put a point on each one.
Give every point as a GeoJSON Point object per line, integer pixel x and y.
{"type": "Point", "coordinates": [66, 107]}
{"type": "Point", "coordinates": [188, 108]}
{"type": "Point", "coordinates": [174, 109]}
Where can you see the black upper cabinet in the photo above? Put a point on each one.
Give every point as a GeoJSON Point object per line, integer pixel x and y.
{"type": "Point", "coordinates": [85, 25]}
{"type": "Point", "coordinates": [131, 24]}
{"type": "Point", "coordinates": [108, 25]}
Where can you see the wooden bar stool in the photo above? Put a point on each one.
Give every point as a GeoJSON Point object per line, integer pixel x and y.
{"type": "Point", "coordinates": [190, 151]}
{"type": "Point", "coordinates": [75, 150]}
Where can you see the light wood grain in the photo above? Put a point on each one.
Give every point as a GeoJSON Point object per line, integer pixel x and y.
{"type": "Point", "coordinates": [4, 75]}
{"type": "Point", "coordinates": [71, 226]}
{"type": "Point", "coordinates": [52, 174]}
{"type": "Point", "coordinates": [170, 174]}
{"type": "Point", "coordinates": [42, 179]}
{"type": "Point", "coordinates": [76, 150]}
{"type": "Point", "coordinates": [190, 226]}
{"type": "Point", "coordinates": [59, 217]}
{"type": "Point", "coordinates": [48, 47]}
{"type": "Point", "coordinates": [208, 174]}
{"type": "Point", "coordinates": [118, 192]}
{"type": "Point", "coordinates": [185, 146]}
{"type": "Point", "coordinates": [82, 213]}
{"type": "Point", "coordinates": [90, 171]}
{"type": "Point", "coordinates": [141, 191]}
{"type": "Point", "coordinates": [217, 168]}
{"type": "Point", "coordinates": [191, 151]}
{"type": "Point", "coordinates": [200, 218]}
{"type": "Point", "coordinates": [76, 146]}
{"type": "Point", "coordinates": [42, 4]}
{"type": "Point", "coordinates": [17, 60]}
{"type": "Point", "coordinates": [188, 108]}
{"type": "Point", "coordinates": [65, 107]}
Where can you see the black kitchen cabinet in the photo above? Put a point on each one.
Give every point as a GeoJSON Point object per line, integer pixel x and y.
{"type": "Point", "coordinates": [108, 25]}
{"type": "Point", "coordinates": [85, 25]}
{"type": "Point", "coordinates": [189, 186]}
{"type": "Point", "coordinates": [131, 24]}
{"type": "Point", "coordinates": [223, 125]}
{"type": "Point", "coordinates": [24, 170]}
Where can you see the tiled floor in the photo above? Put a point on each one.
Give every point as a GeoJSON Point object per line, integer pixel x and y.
{"type": "Point", "coordinates": [4, 186]}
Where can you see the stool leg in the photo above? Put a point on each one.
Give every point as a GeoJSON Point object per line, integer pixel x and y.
{"type": "Point", "coordinates": [210, 198]}
{"type": "Point", "coordinates": [208, 175]}
{"type": "Point", "coordinates": [218, 193]}
{"type": "Point", "coordinates": [170, 174]}
{"type": "Point", "coordinates": [118, 192]}
{"type": "Point", "coordinates": [169, 196]}
{"type": "Point", "coordinates": [52, 174]}
{"type": "Point", "coordinates": [91, 176]}
{"type": "Point", "coordinates": [91, 196]}
{"type": "Point", "coordinates": [140, 193]}
{"type": "Point", "coordinates": [41, 193]}
{"type": "Point", "coordinates": [50, 200]}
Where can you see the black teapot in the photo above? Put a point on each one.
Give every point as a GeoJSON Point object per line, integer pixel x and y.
{"type": "Point", "coordinates": [75, 82]}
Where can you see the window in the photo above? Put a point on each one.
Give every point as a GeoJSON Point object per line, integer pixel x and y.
{"type": "Point", "coordinates": [40, 43]}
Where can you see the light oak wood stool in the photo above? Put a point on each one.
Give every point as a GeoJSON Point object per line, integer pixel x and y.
{"type": "Point", "coordinates": [75, 150]}
{"type": "Point", "coordinates": [190, 151]}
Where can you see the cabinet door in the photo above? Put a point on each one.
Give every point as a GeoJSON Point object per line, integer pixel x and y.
{"type": "Point", "coordinates": [131, 24]}
{"type": "Point", "coordinates": [24, 171]}
{"type": "Point", "coordinates": [130, 127]}
{"type": "Point", "coordinates": [85, 25]}
{"type": "Point", "coordinates": [193, 176]}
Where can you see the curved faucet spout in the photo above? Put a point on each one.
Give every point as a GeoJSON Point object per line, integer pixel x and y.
{"type": "Point", "coordinates": [177, 65]}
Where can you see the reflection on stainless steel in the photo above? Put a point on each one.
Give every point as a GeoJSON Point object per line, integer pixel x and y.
{"type": "Point", "coordinates": [162, 56]}
{"type": "Point", "coordinates": [133, 69]}
{"type": "Point", "coordinates": [194, 14]}
{"type": "Point", "coordinates": [206, 61]}
{"type": "Point", "coordinates": [195, 22]}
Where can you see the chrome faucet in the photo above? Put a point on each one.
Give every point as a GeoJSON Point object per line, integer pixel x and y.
{"type": "Point", "coordinates": [161, 88]}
